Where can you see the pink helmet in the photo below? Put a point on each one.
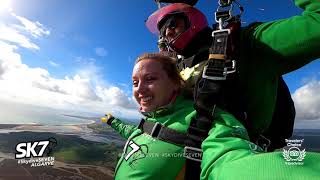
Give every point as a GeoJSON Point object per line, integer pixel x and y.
{"type": "Point", "coordinates": [197, 22]}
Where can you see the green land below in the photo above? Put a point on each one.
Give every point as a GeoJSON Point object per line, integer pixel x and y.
{"type": "Point", "coordinates": [75, 157]}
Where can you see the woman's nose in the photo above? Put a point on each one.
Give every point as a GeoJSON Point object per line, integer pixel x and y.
{"type": "Point", "coordinates": [141, 87]}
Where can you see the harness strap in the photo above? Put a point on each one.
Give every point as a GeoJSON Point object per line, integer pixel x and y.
{"type": "Point", "coordinates": [208, 93]}
{"type": "Point", "coordinates": [161, 132]}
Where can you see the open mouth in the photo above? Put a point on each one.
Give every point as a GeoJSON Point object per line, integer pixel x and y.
{"type": "Point", "coordinates": [146, 99]}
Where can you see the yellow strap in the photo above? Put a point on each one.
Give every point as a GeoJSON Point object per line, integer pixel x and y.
{"type": "Point", "coordinates": [217, 56]}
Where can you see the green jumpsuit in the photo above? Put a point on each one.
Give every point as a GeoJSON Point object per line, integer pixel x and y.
{"type": "Point", "coordinates": [227, 152]}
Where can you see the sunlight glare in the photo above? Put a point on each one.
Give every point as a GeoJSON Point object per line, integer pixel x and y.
{"type": "Point", "coordinates": [5, 5]}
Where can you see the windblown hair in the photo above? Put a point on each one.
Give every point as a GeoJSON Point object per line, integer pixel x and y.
{"type": "Point", "coordinates": [169, 65]}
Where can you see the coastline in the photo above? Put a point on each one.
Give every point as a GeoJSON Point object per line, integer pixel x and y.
{"type": "Point", "coordinates": [81, 130]}
{"type": "Point", "coordinates": [69, 128]}
{"type": "Point", "coordinates": [10, 126]}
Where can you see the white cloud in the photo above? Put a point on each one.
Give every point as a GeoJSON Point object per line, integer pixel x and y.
{"type": "Point", "coordinates": [82, 92]}
{"type": "Point", "coordinates": [54, 64]}
{"type": "Point", "coordinates": [36, 29]}
{"type": "Point", "coordinates": [13, 35]}
{"type": "Point", "coordinates": [101, 51]}
{"type": "Point", "coordinates": [76, 87]}
{"type": "Point", "coordinates": [85, 91]}
{"type": "Point", "coordinates": [307, 101]}
{"type": "Point", "coordinates": [19, 33]}
{"type": "Point", "coordinates": [115, 96]}
{"type": "Point", "coordinates": [8, 59]}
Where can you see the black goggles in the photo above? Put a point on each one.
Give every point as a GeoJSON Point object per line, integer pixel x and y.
{"type": "Point", "coordinates": [171, 23]}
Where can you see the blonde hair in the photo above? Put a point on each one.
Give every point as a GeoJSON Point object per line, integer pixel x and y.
{"type": "Point", "coordinates": [168, 65]}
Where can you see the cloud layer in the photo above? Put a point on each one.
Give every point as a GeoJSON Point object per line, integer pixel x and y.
{"type": "Point", "coordinates": [85, 91]}
{"type": "Point", "coordinates": [35, 86]}
{"type": "Point", "coordinates": [307, 101]}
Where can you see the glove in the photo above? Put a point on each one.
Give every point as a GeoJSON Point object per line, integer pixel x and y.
{"type": "Point", "coordinates": [108, 118]}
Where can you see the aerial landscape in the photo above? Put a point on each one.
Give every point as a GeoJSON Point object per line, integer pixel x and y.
{"type": "Point", "coordinates": [90, 152]}
{"type": "Point", "coordinates": [74, 156]}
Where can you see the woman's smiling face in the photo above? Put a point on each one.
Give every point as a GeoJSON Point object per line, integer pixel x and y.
{"type": "Point", "coordinates": [152, 87]}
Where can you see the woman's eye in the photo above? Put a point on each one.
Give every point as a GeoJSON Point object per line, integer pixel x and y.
{"type": "Point", "coordinates": [135, 83]}
{"type": "Point", "coordinates": [150, 78]}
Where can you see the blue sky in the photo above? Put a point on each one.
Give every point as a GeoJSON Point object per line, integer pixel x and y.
{"type": "Point", "coordinates": [76, 56]}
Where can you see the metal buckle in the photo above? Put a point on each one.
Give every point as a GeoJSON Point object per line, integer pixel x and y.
{"type": "Point", "coordinates": [219, 31]}
{"type": "Point", "coordinates": [214, 77]}
{"type": "Point", "coordinates": [225, 12]}
{"type": "Point", "coordinates": [187, 153]}
{"type": "Point", "coordinates": [156, 129]}
{"type": "Point", "coordinates": [226, 70]}
{"type": "Point", "coordinates": [231, 69]}
{"type": "Point", "coordinates": [224, 2]}
{"type": "Point", "coordinates": [263, 142]}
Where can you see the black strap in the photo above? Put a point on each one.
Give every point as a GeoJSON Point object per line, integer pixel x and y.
{"type": "Point", "coordinates": [281, 126]}
{"type": "Point", "coordinates": [206, 96]}
{"type": "Point", "coordinates": [109, 121]}
{"type": "Point", "coordinates": [162, 132]}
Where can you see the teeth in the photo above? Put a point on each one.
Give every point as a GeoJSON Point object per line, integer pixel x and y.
{"type": "Point", "coordinates": [145, 99]}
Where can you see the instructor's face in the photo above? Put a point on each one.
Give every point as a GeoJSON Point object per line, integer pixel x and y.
{"type": "Point", "coordinates": [152, 88]}
{"type": "Point", "coordinates": [173, 27]}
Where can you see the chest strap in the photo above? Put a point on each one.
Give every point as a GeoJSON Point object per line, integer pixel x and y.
{"type": "Point", "coordinates": [161, 132]}
{"type": "Point", "coordinates": [210, 88]}
{"type": "Point", "coordinates": [202, 55]}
